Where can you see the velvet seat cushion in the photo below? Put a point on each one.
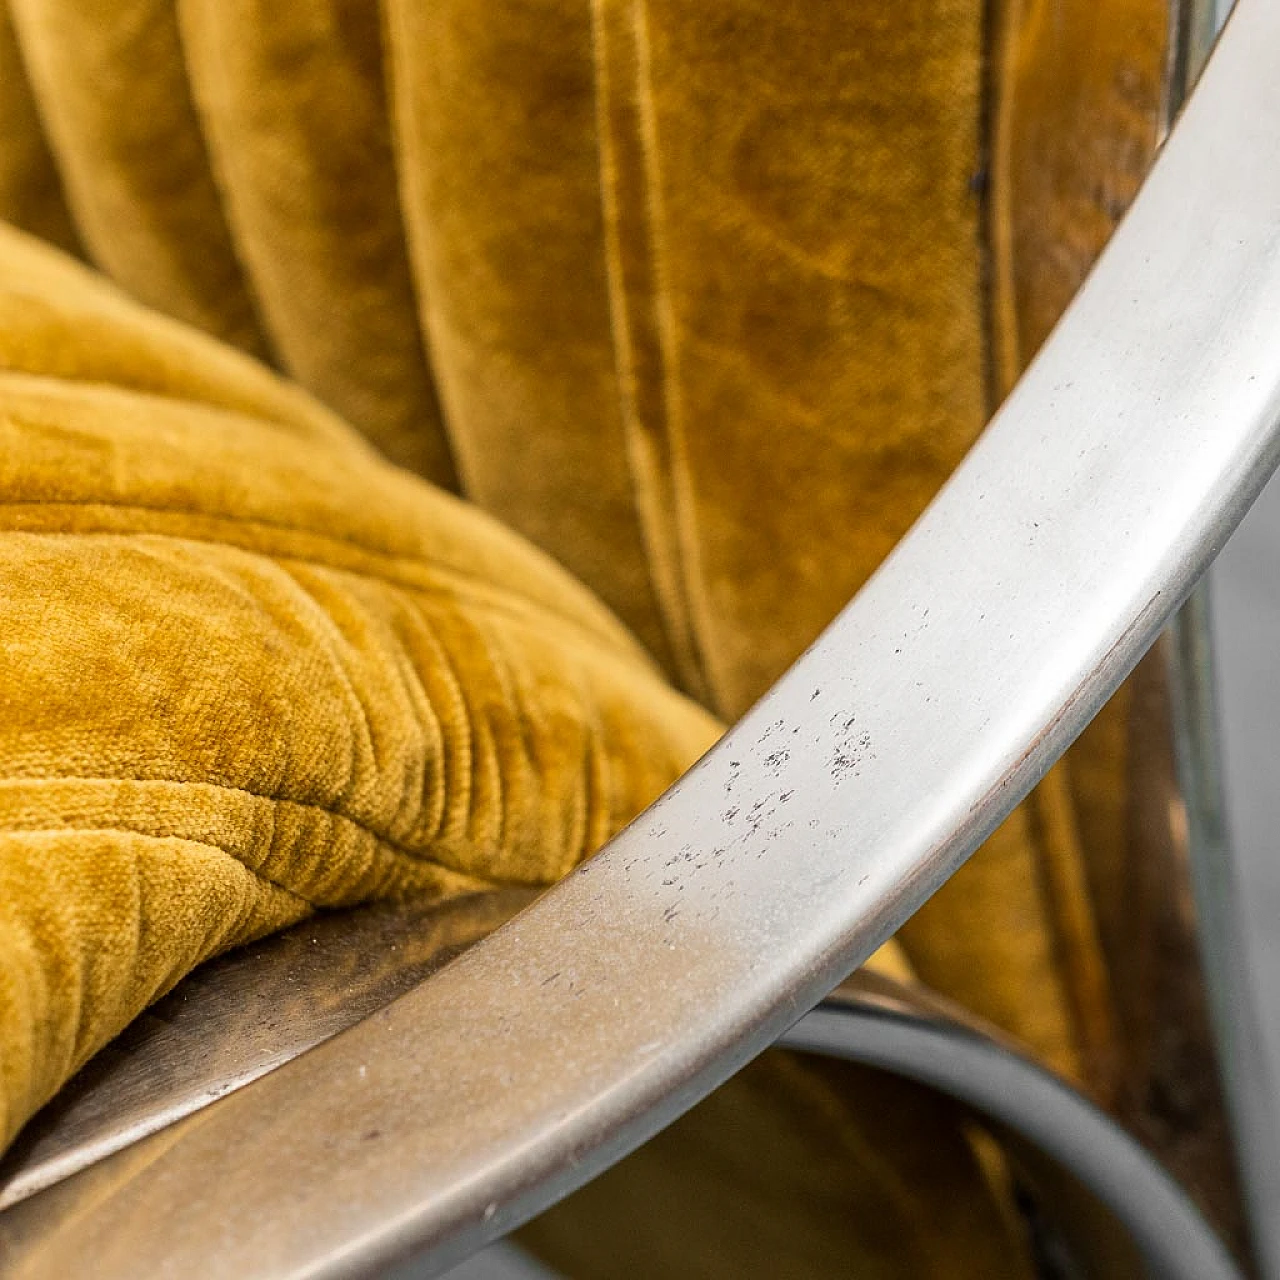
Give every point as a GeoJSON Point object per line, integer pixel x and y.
{"type": "Point", "coordinates": [250, 670]}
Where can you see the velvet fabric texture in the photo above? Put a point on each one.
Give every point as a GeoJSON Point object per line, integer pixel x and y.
{"type": "Point", "coordinates": [31, 194]}
{"type": "Point", "coordinates": [282, 678]}
{"type": "Point", "coordinates": [113, 96]}
{"type": "Point", "coordinates": [704, 300]}
{"type": "Point", "coordinates": [293, 103]}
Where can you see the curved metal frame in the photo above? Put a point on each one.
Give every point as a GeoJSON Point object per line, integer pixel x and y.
{"type": "Point", "coordinates": [1173, 1240]}
{"type": "Point", "coordinates": [842, 800]}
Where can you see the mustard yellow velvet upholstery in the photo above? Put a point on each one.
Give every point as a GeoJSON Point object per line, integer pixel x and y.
{"type": "Point", "coordinates": [293, 103]}
{"type": "Point", "coordinates": [251, 670]}
{"type": "Point", "coordinates": [729, 258]}
{"type": "Point", "coordinates": [31, 195]}
{"type": "Point", "coordinates": [776, 1175]}
{"type": "Point", "coordinates": [112, 91]}
{"type": "Point", "coordinates": [697, 297]}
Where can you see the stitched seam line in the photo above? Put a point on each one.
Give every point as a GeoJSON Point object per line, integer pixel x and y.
{"type": "Point", "coordinates": [630, 343]}
{"type": "Point", "coordinates": [680, 483]}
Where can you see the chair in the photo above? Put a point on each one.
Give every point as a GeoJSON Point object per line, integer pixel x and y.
{"type": "Point", "coordinates": [705, 930]}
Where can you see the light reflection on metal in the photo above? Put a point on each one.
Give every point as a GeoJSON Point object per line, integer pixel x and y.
{"type": "Point", "coordinates": [1221, 927]}
{"type": "Point", "coordinates": [239, 1017]}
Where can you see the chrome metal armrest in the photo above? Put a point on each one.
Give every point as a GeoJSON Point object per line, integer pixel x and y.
{"type": "Point", "coordinates": [842, 800]}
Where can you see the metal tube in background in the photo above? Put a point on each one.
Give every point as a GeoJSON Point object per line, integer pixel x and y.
{"type": "Point", "coordinates": [1173, 1239]}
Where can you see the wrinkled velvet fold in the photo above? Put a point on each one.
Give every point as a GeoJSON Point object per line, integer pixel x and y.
{"type": "Point", "coordinates": [250, 672]}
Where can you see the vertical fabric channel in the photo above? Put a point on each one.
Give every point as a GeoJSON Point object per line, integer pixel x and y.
{"type": "Point", "coordinates": [293, 103]}
{"type": "Point", "coordinates": [498, 153]}
{"type": "Point", "coordinates": [111, 86]}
